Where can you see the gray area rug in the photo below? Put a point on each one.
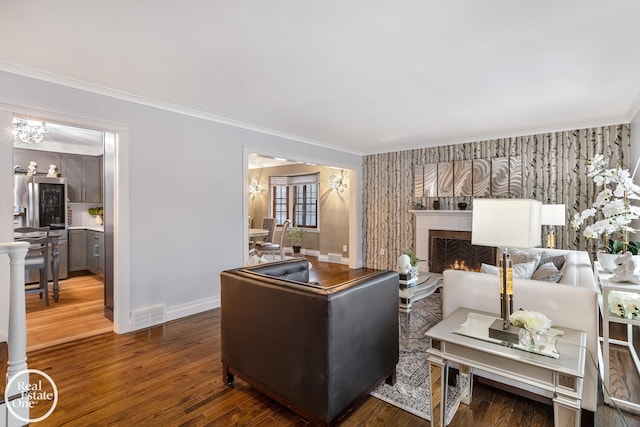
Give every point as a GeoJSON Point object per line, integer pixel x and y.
{"type": "Point", "coordinates": [411, 390]}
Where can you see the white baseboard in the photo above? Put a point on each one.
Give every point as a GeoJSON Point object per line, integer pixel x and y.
{"type": "Point", "coordinates": [334, 259]}
{"type": "Point", "coordinates": [156, 315]}
{"type": "Point", "coordinates": [194, 307]}
{"type": "Point", "coordinates": [310, 252]}
{"type": "Point", "coordinates": [307, 252]}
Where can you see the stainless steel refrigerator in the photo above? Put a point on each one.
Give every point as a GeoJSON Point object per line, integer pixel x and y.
{"type": "Point", "coordinates": [40, 201]}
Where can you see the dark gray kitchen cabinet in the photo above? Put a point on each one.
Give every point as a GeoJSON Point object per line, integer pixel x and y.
{"type": "Point", "coordinates": [84, 177]}
{"type": "Point", "coordinates": [95, 252]}
{"type": "Point", "coordinates": [77, 250]}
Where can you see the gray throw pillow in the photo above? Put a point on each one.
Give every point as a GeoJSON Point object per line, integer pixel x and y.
{"type": "Point", "coordinates": [523, 270]}
{"type": "Point", "coordinates": [547, 272]}
{"type": "Point", "coordinates": [520, 257]}
{"type": "Point", "coordinates": [557, 260]}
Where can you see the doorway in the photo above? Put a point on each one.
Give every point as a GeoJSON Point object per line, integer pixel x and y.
{"type": "Point", "coordinates": [319, 200]}
{"type": "Point", "coordinates": [83, 158]}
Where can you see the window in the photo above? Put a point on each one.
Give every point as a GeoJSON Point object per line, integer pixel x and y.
{"type": "Point", "coordinates": [305, 206]}
{"type": "Point", "coordinates": [295, 197]}
{"type": "Point", "coordinates": [280, 205]}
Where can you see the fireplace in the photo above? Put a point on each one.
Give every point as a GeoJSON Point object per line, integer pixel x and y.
{"type": "Point", "coordinates": [452, 249]}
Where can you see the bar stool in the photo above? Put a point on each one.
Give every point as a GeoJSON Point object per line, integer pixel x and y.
{"type": "Point", "coordinates": [37, 258]}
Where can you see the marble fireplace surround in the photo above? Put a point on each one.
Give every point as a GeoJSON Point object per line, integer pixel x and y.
{"type": "Point", "coordinates": [437, 220]}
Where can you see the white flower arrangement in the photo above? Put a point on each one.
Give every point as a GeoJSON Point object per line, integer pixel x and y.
{"type": "Point", "coordinates": [624, 304]}
{"type": "Point", "coordinates": [613, 203]}
{"type": "Point", "coordinates": [533, 321]}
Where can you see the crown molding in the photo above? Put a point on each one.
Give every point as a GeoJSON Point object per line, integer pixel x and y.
{"type": "Point", "coordinates": [149, 102]}
{"type": "Point", "coordinates": [489, 136]}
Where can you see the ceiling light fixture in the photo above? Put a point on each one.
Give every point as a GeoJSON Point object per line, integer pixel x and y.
{"type": "Point", "coordinates": [27, 133]}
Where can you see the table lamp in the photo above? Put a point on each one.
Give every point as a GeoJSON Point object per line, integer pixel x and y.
{"type": "Point", "coordinates": [552, 215]}
{"type": "Point", "coordinates": [506, 223]}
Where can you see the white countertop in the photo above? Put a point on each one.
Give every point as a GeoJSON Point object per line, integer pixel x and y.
{"type": "Point", "coordinates": [88, 227]}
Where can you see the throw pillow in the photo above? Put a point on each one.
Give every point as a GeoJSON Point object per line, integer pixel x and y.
{"type": "Point", "coordinates": [557, 260]}
{"type": "Point", "coordinates": [547, 272]}
{"type": "Point", "coordinates": [521, 257]}
{"type": "Point", "coordinates": [523, 270]}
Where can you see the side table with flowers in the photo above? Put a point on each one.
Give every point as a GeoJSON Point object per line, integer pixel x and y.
{"type": "Point", "coordinates": [610, 217]}
{"type": "Point", "coordinates": [620, 303]}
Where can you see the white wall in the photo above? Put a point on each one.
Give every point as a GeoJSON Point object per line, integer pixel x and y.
{"type": "Point", "coordinates": [178, 166]}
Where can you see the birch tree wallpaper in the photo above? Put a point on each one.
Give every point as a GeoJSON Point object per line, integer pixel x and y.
{"type": "Point", "coordinates": [553, 170]}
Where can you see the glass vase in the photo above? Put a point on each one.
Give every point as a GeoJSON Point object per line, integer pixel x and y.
{"type": "Point", "coordinates": [532, 340]}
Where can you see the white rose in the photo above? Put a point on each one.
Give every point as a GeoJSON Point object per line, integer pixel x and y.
{"type": "Point", "coordinates": [517, 318]}
{"type": "Point", "coordinates": [533, 322]}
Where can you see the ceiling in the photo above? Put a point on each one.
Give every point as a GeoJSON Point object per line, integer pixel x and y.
{"type": "Point", "coordinates": [364, 76]}
{"type": "Point", "coordinates": [257, 161]}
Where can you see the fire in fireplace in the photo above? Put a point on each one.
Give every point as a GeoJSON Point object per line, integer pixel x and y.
{"type": "Point", "coordinates": [460, 264]}
{"type": "Point", "coordinates": [452, 249]}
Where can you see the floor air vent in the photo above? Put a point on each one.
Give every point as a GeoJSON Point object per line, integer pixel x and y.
{"type": "Point", "coordinates": [146, 317]}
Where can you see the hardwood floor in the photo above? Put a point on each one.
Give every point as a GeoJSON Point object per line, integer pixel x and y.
{"type": "Point", "coordinates": [79, 313]}
{"type": "Point", "coordinates": [170, 375]}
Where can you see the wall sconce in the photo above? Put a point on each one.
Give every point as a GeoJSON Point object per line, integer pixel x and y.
{"type": "Point", "coordinates": [27, 133]}
{"type": "Point", "coordinates": [254, 188]}
{"type": "Point", "coordinates": [337, 183]}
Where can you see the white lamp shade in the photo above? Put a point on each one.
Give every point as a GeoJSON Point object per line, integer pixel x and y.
{"type": "Point", "coordinates": [553, 215]}
{"type": "Point", "coordinates": [506, 223]}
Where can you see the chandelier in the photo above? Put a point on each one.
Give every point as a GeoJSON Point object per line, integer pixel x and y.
{"type": "Point", "coordinates": [27, 133]}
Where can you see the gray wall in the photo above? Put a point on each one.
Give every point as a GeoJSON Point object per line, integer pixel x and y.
{"type": "Point", "coordinates": [554, 171]}
{"type": "Point", "coordinates": [172, 166]}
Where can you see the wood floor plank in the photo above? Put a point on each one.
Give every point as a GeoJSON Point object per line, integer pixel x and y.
{"type": "Point", "coordinates": [79, 313]}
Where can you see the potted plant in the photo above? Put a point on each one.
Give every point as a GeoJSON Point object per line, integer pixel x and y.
{"type": "Point", "coordinates": [294, 235]}
{"type": "Point", "coordinates": [98, 212]}
{"type": "Point", "coordinates": [612, 210]}
{"type": "Point", "coordinates": [413, 258]}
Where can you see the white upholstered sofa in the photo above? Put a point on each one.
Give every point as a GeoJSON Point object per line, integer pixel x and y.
{"type": "Point", "coordinates": [572, 303]}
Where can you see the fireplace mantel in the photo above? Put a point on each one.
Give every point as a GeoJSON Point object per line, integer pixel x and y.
{"type": "Point", "coordinates": [437, 220]}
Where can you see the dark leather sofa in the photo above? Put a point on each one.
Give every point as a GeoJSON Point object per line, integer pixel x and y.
{"type": "Point", "coordinates": [317, 350]}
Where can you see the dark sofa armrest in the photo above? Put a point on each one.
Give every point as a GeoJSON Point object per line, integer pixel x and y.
{"type": "Point", "coordinates": [296, 269]}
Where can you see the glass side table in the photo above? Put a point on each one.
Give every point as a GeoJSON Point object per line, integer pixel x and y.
{"type": "Point", "coordinates": [559, 378]}
{"type": "Point", "coordinates": [427, 284]}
